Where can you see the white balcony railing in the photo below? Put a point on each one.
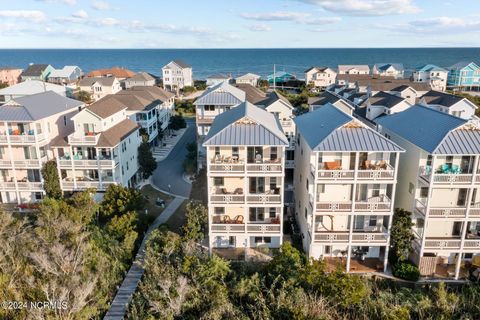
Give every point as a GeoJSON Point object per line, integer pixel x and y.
{"type": "Point", "coordinates": [70, 185]}
{"type": "Point", "coordinates": [87, 163]}
{"type": "Point", "coordinates": [227, 198]}
{"type": "Point", "coordinates": [336, 174]}
{"type": "Point", "coordinates": [369, 237]}
{"type": "Point", "coordinates": [445, 178]}
{"type": "Point", "coordinates": [334, 206]}
{"type": "Point", "coordinates": [380, 203]}
{"type": "Point", "coordinates": [33, 186]}
{"type": "Point", "coordinates": [263, 228]}
{"type": "Point", "coordinates": [23, 138]}
{"type": "Point", "coordinates": [264, 167]}
{"type": "Point", "coordinates": [379, 174]}
{"type": "Point", "coordinates": [27, 163]}
{"type": "Point", "coordinates": [331, 237]}
{"type": "Point", "coordinates": [227, 167]}
{"type": "Point", "coordinates": [263, 198]}
{"type": "Point", "coordinates": [83, 139]}
{"type": "Point", "coordinates": [442, 243]}
{"type": "Point", "coordinates": [227, 228]}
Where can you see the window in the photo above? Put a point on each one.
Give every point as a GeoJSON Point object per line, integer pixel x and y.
{"type": "Point", "coordinates": [376, 190]}
{"type": "Point", "coordinates": [257, 214]}
{"type": "Point", "coordinates": [424, 192]}
{"type": "Point", "coordinates": [306, 213]}
{"type": "Point", "coordinates": [263, 240]}
{"type": "Point", "coordinates": [65, 120]}
{"type": "Point", "coordinates": [272, 212]}
{"type": "Point", "coordinates": [127, 166]}
{"type": "Point", "coordinates": [373, 221]}
{"type": "Point", "coordinates": [219, 210]}
{"type": "Point", "coordinates": [218, 181]}
{"type": "Point", "coordinates": [273, 153]}
{"type": "Point", "coordinates": [209, 108]}
{"type": "Point", "coordinates": [235, 152]}
{"type": "Point", "coordinates": [307, 184]}
{"type": "Point", "coordinates": [411, 188]}
{"type": "Point", "coordinates": [217, 151]}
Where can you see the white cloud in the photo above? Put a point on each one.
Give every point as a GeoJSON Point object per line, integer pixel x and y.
{"type": "Point", "coordinates": [435, 25]}
{"type": "Point", "coordinates": [366, 7]}
{"type": "Point", "coordinates": [68, 2]}
{"type": "Point", "coordinates": [81, 14]}
{"type": "Point", "coordinates": [259, 27]}
{"type": "Point", "coordinates": [30, 15]}
{"type": "Point", "coordinates": [108, 22]}
{"type": "Point", "coordinates": [323, 20]}
{"type": "Point", "coordinates": [101, 5]}
{"type": "Point", "coordinates": [276, 16]}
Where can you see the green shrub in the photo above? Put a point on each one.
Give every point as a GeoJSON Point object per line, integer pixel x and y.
{"type": "Point", "coordinates": [406, 270]}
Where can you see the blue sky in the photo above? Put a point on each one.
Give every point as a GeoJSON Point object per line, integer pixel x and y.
{"type": "Point", "coordinates": [238, 24]}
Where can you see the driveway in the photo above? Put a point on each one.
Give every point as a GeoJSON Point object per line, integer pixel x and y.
{"type": "Point", "coordinates": [170, 170]}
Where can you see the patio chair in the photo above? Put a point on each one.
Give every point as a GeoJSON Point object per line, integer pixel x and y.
{"type": "Point", "coordinates": [456, 169]}
{"type": "Point", "coordinates": [238, 219]}
{"type": "Point", "coordinates": [445, 168]}
{"type": "Point", "coordinates": [226, 219]}
{"type": "Point", "coordinates": [238, 191]}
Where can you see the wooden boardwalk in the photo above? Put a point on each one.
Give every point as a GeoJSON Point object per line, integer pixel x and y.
{"type": "Point", "coordinates": [118, 308]}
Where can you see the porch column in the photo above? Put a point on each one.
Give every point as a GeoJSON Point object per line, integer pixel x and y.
{"type": "Point", "coordinates": [12, 162]}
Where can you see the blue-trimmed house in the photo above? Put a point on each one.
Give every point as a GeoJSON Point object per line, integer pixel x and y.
{"type": "Point", "coordinates": [464, 76]}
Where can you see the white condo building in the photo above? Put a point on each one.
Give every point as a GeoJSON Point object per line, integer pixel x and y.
{"type": "Point", "coordinates": [245, 170]}
{"type": "Point", "coordinates": [177, 75]}
{"type": "Point", "coordinates": [27, 127]}
{"type": "Point", "coordinates": [345, 180]}
{"type": "Point", "coordinates": [433, 75]}
{"type": "Point", "coordinates": [439, 181]}
{"type": "Point", "coordinates": [102, 149]}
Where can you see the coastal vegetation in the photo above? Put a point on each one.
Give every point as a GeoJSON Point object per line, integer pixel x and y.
{"type": "Point", "coordinates": [190, 162]}
{"type": "Point", "coordinates": [182, 281]}
{"type": "Point", "coordinates": [146, 161]}
{"type": "Point", "coordinates": [185, 107]}
{"type": "Point", "coordinates": [72, 251]}
{"type": "Point", "coordinates": [177, 122]}
{"type": "Point", "coordinates": [51, 181]}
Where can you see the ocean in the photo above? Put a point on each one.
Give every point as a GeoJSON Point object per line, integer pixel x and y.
{"type": "Point", "coordinates": [235, 61]}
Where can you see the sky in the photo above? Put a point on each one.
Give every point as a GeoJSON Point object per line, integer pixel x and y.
{"type": "Point", "coordinates": [239, 24]}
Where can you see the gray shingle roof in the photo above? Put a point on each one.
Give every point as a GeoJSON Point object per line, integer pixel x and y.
{"type": "Point", "coordinates": [36, 106]}
{"type": "Point", "coordinates": [89, 81]}
{"type": "Point", "coordinates": [221, 94]}
{"type": "Point", "coordinates": [141, 76]}
{"type": "Point", "coordinates": [246, 124]}
{"type": "Point", "coordinates": [432, 130]}
{"type": "Point", "coordinates": [273, 97]}
{"type": "Point", "coordinates": [182, 64]}
{"type": "Point", "coordinates": [329, 129]}
{"type": "Point", "coordinates": [383, 99]}
{"type": "Point", "coordinates": [324, 98]}
{"type": "Point", "coordinates": [34, 70]}
{"type": "Point", "coordinates": [441, 98]}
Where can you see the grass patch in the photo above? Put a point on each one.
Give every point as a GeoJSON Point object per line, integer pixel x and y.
{"type": "Point", "coordinates": [178, 218]}
{"type": "Point", "coordinates": [151, 194]}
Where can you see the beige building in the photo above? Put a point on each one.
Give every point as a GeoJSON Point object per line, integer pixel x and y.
{"type": "Point", "coordinates": [27, 127]}
{"type": "Point", "coordinates": [439, 181]}
{"type": "Point", "coordinates": [353, 69]}
{"type": "Point", "coordinates": [345, 184]}
{"type": "Point", "coordinates": [10, 75]}
{"type": "Point", "coordinates": [99, 87]}
{"type": "Point", "coordinates": [245, 170]}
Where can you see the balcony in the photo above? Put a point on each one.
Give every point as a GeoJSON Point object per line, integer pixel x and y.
{"type": "Point", "coordinates": [263, 228]}
{"type": "Point", "coordinates": [227, 165]}
{"type": "Point", "coordinates": [65, 162]}
{"type": "Point", "coordinates": [70, 185]}
{"type": "Point", "coordinates": [22, 185]}
{"type": "Point", "coordinates": [264, 198]}
{"type": "Point", "coordinates": [379, 203]}
{"type": "Point", "coordinates": [446, 174]}
{"type": "Point", "coordinates": [21, 138]}
{"type": "Point", "coordinates": [370, 170]}
{"type": "Point", "coordinates": [205, 119]}
{"type": "Point", "coordinates": [221, 195]}
{"type": "Point", "coordinates": [227, 228]}
{"type": "Point", "coordinates": [89, 138]}
{"type": "Point", "coordinates": [267, 166]}
{"type": "Point", "coordinates": [360, 237]}
{"type": "Point", "coordinates": [334, 206]}
{"type": "Point", "coordinates": [442, 243]}
{"type": "Point", "coordinates": [24, 164]}
{"type": "Point", "coordinates": [289, 164]}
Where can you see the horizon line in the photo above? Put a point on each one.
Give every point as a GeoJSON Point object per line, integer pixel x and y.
{"type": "Point", "coordinates": [249, 48]}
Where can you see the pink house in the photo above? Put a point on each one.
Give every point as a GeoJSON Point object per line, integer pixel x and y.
{"type": "Point", "coordinates": [10, 75]}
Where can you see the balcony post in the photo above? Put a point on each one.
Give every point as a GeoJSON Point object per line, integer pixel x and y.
{"type": "Point", "coordinates": [427, 207]}
{"type": "Point", "coordinates": [12, 162]}
{"type": "Point", "coordinates": [351, 212]}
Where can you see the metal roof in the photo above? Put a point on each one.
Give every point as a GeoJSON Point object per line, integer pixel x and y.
{"type": "Point", "coordinates": [246, 124]}
{"type": "Point", "coordinates": [329, 129]}
{"type": "Point", "coordinates": [464, 140]}
{"type": "Point", "coordinates": [221, 94]}
{"type": "Point", "coordinates": [37, 106]}
{"type": "Point", "coordinates": [385, 66]}
{"type": "Point", "coordinates": [431, 67]}
{"type": "Point", "coordinates": [31, 87]}
{"type": "Point", "coordinates": [426, 128]}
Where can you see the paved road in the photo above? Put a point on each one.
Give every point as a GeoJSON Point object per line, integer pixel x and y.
{"type": "Point", "coordinates": [170, 170]}
{"type": "Point", "coordinates": [118, 308]}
